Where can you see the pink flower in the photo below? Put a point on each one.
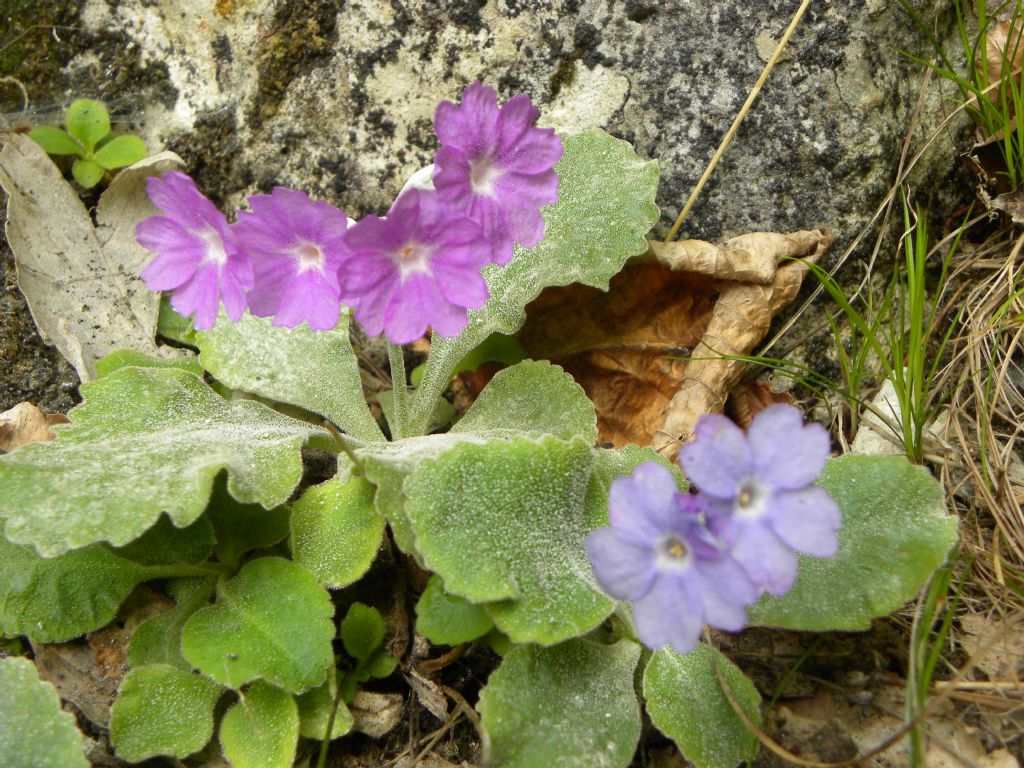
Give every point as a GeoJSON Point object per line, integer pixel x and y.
{"type": "Point", "coordinates": [418, 267]}
{"type": "Point", "coordinates": [296, 247]}
{"type": "Point", "coordinates": [197, 258]}
{"type": "Point", "coordinates": [496, 166]}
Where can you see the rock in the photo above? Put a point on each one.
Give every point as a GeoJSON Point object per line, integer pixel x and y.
{"type": "Point", "coordinates": [337, 98]}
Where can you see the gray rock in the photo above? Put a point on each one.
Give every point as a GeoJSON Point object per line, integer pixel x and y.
{"type": "Point", "coordinates": [337, 97]}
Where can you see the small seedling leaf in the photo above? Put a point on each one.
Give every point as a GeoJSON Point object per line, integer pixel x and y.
{"type": "Point", "coordinates": [162, 710]}
{"type": "Point", "coordinates": [446, 619]}
{"type": "Point", "coordinates": [686, 703]}
{"type": "Point", "coordinates": [572, 705]}
{"type": "Point", "coordinates": [145, 441]}
{"type": "Point", "coordinates": [158, 639]}
{"type": "Point", "coordinates": [262, 729]}
{"type": "Point", "coordinates": [252, 633]}
{"type": "Point", "coordinates": [315, 712]}
{"type": "Point", "coordinates": [34, 730]}
{"type": "Point", "coordinates": [316, 370]}
{"type": "Point", "coordinates": [88, 121]}
{"type": "Point", "coordinates": [336, 532]}
{"type": "Point", "coordinates": [896, 532]}
{"type": "Point", "coordinates": [239, 528]}
{"type": "Point", "coordinates": [55, 141]}
{"type": "Point", "coordinates": [120, 151]}
{"type": "Point", "coordinates": [362, 631]}
{"type": "Point", "coordinates": [87, 172]}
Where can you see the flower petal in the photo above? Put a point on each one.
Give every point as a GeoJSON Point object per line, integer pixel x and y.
{"type": "Point", "coordinates": [786, 453]}
{"type": "Point", "coordinates": [768, 561]}
{"type": "Point", "coordinates": [642, 506]}
{"type": "Point", "coordinates": [623, 569]}
{"type": "Point", "coordinates": [718, 459]}
{"type": "Point", "coordinates": [806, 520]}
{"type": "Point", "coordinates": [473, 124]}
{"type": "Point", "coordinates": [669, 614]}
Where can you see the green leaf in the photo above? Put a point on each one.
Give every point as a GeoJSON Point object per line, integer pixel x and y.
{"type": "Point", "coordinates": [315, 712]}
{"type": "Point", "coordinates": [173, 325]}
{"type": "Point", "coordinates": [446, 619]}
{"type": "Point", "coordinates": [262, 729]}
{"type": "Point", "coordinates": [444, 412]}
{"type": "Point", "coordinates": [87, 120]}
{"type": "Point", "coordinates": [686, 703]}
{"type": "Point", "coordinates": [144, 441]}
{"type": "Point", "coordinates": [572, 705]}
{"type": "Point", "coordinates": [605, 208]}
{"type": "Point", "coordinates": [336, 531]}
{"type": "Point", "coordinates": [34, 731]}
{"type": "Point", "coordinates": [239, 528]}
{"type": "Point", "coordinates": [316, 370]}
{"type": "Point", "coordinates": [378, 665]}
{"type": "Point", "coordinates": [158, 639]}
{"type": "Point", "coordinates": [534, 396]}
{"type": "Point", "coordinates": [896, 532]}
{"type": "Point", "coordinates": [506, 521]}
{"type": "Point", "coordinates": [53, 600]}
{"type": "Point", "coordinates": [120, 151]}
{"type": "Point", "coordinates": [166, 544]}
{"type": "Point", "coordinates": [124, 358]}
{"type": "Point", "coordinates": [87, 172]}
{"type": "Point", "coordinates": [272, 621]}
{"type": "Point", "coordinates": [54, 141]}
{"type": "Point", "coordinates": [161, 710]}
{"type": "Point", "coordinates": [362, 631]}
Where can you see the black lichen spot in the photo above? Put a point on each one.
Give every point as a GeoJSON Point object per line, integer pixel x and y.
{"type": "Point", "coordinates": [639, 11]}
{"type": "Point", "coordinates": [586, 39]}
{"type": "Point", "coordinates": [211, 149]}
{"type": "Point", "coordinates": [302, 36]}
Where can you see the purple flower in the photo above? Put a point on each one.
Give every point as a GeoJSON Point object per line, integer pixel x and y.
{"type": "Point", "coordinates": [659, 555]}
{"type": "Point", "coordinates": [496, 166]}
{"type": "Point", "coordinates": [296, 247]}
{"type": "Point", "coordinates": [197, 258]}
{"type": "Point", "coordinates": [761, 494]}
{"type": "Point", "coordinates": [418, 267]}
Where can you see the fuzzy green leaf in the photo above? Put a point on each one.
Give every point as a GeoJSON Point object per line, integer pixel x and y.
{"type": "Point", "coordinates": [54, 141]}
{"type": "Point", "coordinates": [686, 703]}
{"type": "Point", "coordinates": [605, 208]}
{"type": "Point", "coordinates": [162, 710]}
{"type": "Point", "coordinates": [572, 705]}
{"type": "Point", "coordinates": [53, 600]}
{"type": "Point", "coordinates": [124, 358]}
{"type": "Point", "coordinates": [446, 619]}
{"type": "Point", "coordinates": [88, 121]}
{"type": "Point", "coordinates": [87, 172]}
{"type": "Point", "coordinates": [316, 370]}
{"type": "Point", "coordinates": [262, 729]}
{"type": "Point", "coordinates": [120, 151]}
{"type": "Point", "coordinates": [534, 396]}
{"type": "Point", "coordinates": [272, 621]}
{"type": "Point", "coordinates": [336, 531]}
{"type": "Point", "coordinates": [362, 631]}
{"type": "Point", "coordinates": [315, 712]}
{"type": "Point", "coordinates": [173, 325]}
{"type": "Point", "coordinates": [34, 731]}
{"type": "Point", "coordinates": [158, 639]}
{"type": "Point", "coordinates": [144, 441]}
{"type": "Point", "coordinates": [166, 544]}
{"type": "Point", "coordinates": [519, 508]}
{"type": "Point", "coordinates": [379, 664]}
{"type": "Point", "coordinates": [239, 528]}
{"type": "Point", "coordinates": [896, 532]}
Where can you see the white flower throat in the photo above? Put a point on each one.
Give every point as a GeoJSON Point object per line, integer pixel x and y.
{"type": "Point", "coordinates": [309, 257]}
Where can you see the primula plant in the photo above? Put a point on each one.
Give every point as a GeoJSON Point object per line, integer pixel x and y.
{"type": "Point", "coordinates": [590, 571]}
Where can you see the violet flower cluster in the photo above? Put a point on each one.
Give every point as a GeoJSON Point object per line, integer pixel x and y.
{"type": "Point", "coordinates": [297, 260]}
{"type": "Point", "coordinates": [686, 560]}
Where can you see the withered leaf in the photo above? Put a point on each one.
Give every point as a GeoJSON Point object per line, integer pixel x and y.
{"type": "Point", "coordinates": [650, 352]}
{"type": "Point", "coordinates": [24, 423]}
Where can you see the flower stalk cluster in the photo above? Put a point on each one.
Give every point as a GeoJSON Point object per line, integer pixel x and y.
{"type": "Point", "coordinates": [689, 559]}
{"type": "Point", "coordinates": [295, 259]}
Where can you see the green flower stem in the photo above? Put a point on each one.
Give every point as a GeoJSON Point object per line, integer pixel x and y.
{"type": "Point", "coordinates": [321, 761]}
{"type": "Point", "coordinates": [401, 392]}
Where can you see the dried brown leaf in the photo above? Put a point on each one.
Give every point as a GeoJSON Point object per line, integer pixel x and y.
{"type": "Point", "coordinates": [24, 423]}
{"type": "Point", "coordinates": [648, 352]}
{"type": "Point", "coordinates": [81, 281]}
